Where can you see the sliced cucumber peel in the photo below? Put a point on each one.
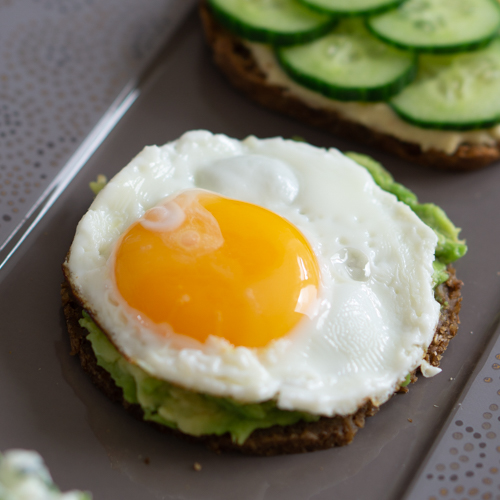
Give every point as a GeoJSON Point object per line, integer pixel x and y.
{"type": "Point", "coordinates": [279, 22]}
{"type": "Point", "coordinates": [454, 92]}
{"type": "Point", "coordinates": [439, 26]}
{"type": "Point", "coordinates": [352, 7]}
{"type": "Point", "coordinates": [349, 64]}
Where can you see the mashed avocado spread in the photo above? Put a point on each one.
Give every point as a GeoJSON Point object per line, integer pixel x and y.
{"type": "Point", "coordinates": [190, 412]}
{"type": "Point", "coordinates": [200, 414]}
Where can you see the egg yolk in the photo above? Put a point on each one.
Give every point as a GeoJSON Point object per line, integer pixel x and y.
{"type": "Point", "coordinates": [209, 265]}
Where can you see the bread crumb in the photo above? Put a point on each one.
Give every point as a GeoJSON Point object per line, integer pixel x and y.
{"type": "Point", "coordinates": [410, 420]}
{"type": "Point", "coordinates": [451, 378]}
{"type": "Point", "coordinates": [197, 466]}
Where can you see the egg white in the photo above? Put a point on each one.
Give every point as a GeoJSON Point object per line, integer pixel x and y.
{"type": "Point", "coordinates": [377, 312]}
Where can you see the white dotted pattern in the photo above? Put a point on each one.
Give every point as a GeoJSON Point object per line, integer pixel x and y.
{"type": "Point", "coordinates": [466, 462]}
{"type": "Point", "coordinates": [62, 65]}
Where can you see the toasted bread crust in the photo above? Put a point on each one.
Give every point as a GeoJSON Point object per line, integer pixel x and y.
{"type": "Point", "coordinates": [237, 63]}
{"type": "Point", "coordinates": [298, 438]}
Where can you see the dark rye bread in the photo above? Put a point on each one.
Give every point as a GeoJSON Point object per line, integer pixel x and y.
{"type": "Point", "coordinates": [298, 438]}
{"type": "Point", "coordinates": [236, 62]}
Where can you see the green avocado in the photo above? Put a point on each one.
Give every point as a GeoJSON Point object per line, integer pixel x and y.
{"type": "Point", "coordinates": [191, 412]}
{"type": "Point", "coordinates": [200, 414]}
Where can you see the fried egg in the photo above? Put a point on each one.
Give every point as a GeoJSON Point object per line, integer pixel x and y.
{"type": "Point", "coordinates": [257, 270]}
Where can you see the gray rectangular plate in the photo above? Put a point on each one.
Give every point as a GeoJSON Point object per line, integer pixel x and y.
{"type": "Point", "coordinates": [48, 404]}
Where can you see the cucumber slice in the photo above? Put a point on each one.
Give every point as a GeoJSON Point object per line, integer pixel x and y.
{"type": "Point", "coordinates": [440, 26]}
{"type": "Point", "coordinates": [349, 64]}
{"type": "Point", "coordinates": [352, 7]}
{"type": "Point", "coordinates": [284, 22]}
{"type": "Point", "coordinates": [454, 92]}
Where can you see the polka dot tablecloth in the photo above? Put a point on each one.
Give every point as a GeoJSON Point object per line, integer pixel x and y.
{"type": "Point", "coordinates": [465, 463]}
{"type": "Point", "coordinates": [66, 72]}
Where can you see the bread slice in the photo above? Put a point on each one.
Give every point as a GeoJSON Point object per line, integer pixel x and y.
{"type": "Point", "coordinates": [232, 55]}
{"type": "Point", "coordinates": [298, 438]}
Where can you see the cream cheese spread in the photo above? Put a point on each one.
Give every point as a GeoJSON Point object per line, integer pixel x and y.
{"type": "Point", "coordinates": [376, 116]}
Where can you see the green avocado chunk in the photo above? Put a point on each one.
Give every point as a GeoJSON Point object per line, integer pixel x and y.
{"type": "Point", "coordinates": [406, 381]}
{"type": "Point", "coordinates": [200, 414]}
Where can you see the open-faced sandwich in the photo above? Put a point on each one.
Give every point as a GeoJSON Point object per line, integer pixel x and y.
{"type": "Point", "coordinates": [24, 476]}
{"type": "Point", "coordinates": [420, 78]}
{"type": "Point", "coordinates": [259, 295]}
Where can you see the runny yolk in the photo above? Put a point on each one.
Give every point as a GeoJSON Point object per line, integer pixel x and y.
{"type": "Point", "coordinates": [209, 265]}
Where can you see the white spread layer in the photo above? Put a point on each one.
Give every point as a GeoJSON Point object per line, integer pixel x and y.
{"type": "Point", "coordinates": [377, 116]}
{"type": "Point", "coordinates": [377, 314]}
